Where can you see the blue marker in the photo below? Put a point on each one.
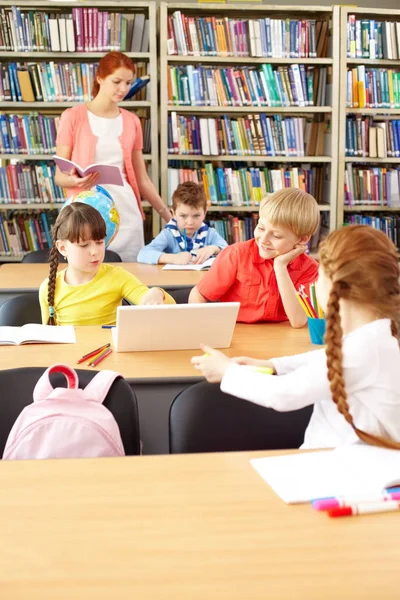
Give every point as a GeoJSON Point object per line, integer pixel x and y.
{"type": "Point", "coordinates": [184, 237]}
{"type": "Point", "coordinates": [107, 326]}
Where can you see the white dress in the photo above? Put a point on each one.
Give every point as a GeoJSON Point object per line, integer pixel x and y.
{"type": "Point", "coordinates": [130, 238]}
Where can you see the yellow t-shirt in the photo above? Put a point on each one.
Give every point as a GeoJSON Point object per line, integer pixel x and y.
{"type": "Point", "coordinates": [94, 302]}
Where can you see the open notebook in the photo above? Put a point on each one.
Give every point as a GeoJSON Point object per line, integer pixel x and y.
{"type": "Point", "coordinates": [357, 470]}
{"type": "Point", "coordinates": [33, 333]}
{"type": "Point", "coordinates": [190, 267]}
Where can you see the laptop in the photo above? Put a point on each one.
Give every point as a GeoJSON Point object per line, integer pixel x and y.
{"type": "Point", "coordinates": [174, 326]}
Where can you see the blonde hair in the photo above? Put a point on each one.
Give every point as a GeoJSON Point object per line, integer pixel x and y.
{"type": "Point", "coordinates": [294, 209]}
{"type": "Point", "coordinates": [363, 267]}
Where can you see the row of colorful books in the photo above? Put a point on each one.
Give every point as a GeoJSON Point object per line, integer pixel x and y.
{"type": "Point", "coordinates": [376, 139]}
{"type": "Point", "coordinates": [29, 183]}
{"type": "Point", "coordinates": [369, 38]}
{"type": "Point", "coordinates": [35, 133]}
{"type": "Point", "coordinates": [84, 30]}
{"type": "Point", "coordinates": [240, 228]}
{"type": "Point", "coordinates": [253, 135]}
{"type": "Point", "coordinates": [54, 81]}
{"type": "Point", "coordinates": [373, 88]}
{"type": "Point", "coordinates": [241, 185]}
{"type": "Point", "coordinates": [22, 232]}
{"type": "Point", "coordinates": [217, 36]}
{"type": "Point", "coordinates": [296, 85]}
{"type": "Point", "coordinates": [372, 185]}
{"type": "Point", "coordinates": [389, 224]}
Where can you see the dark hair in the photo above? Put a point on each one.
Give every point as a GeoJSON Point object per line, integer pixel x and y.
{"type": "Point", "coordinates": [108, 64]}
{"type": "Point", "coordinates": [76, 222]}
{"type": "Point", "coordinates": [191, 194]}
{"type": "Point", "coordinates": [363, 267]}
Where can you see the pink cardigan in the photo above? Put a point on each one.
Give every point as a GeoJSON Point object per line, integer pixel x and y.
{"type": "Point", "coordinates": [74, 131]}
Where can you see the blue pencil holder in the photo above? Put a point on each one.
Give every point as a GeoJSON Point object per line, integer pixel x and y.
{"type": "Point", "coordinates": [316, 328]}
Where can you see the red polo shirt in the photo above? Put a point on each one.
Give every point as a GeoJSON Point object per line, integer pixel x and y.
{"type": "Point", "coordinates": [239, 274]}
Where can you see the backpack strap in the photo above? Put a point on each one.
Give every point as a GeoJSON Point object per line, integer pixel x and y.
{"type": "Point", "coordinates": [98, 388]}
{"type": "Point", "coordinates": [43, 388]}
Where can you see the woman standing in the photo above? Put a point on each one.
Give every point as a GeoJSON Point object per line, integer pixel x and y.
{"type": "Point", "coordinates": [102, 132]}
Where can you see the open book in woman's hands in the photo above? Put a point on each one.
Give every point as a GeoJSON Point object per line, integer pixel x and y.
{"type": "Point", "coordinates": [108, 174]}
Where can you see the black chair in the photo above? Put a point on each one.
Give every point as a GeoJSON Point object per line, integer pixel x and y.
{"type": "Point", "coordinates": [17, 387]}
{"type": "Point", "coordinates": [20, 310]}
{"type": "Point", "coordinates": [204, 419]}
{"type": "Point", "coordinates": [181, 295]}
{"type": "Point", "coordinates": [42, 256]}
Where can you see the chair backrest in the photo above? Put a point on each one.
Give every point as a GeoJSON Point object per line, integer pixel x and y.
{"type": "Point", "coordinates": [42, 256]}
{"type": "Point", "coordinates": [17, 387]}
{"type": "Point", "coordinates": [204, 419]}
{"type": "Point", "coordinates": [20, 310]}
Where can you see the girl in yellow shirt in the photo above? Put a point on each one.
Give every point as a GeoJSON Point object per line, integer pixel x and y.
{"type": "Point", "coordinates": [87, 292]}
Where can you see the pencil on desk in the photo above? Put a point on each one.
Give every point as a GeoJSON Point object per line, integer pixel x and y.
{"type": "Point", "coordinates": [92, 353]}
{"type": "Point", "coordinates": [101, 357]}
{"type": "Point", "coordinates": [303, 304]}
{"type": "Point", "coordinates": [97, 355]}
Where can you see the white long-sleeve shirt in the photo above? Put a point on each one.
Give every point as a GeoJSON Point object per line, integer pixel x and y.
{"type": "Point", "coordinates": [371, 366]}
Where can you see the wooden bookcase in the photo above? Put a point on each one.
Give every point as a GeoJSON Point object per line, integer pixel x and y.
{"type": "Point", "coordinates": [149, 107]}
{"type": "Point", "coordinates": [384, 114]}
{"type": "Point", "coordinates": [253, 11]}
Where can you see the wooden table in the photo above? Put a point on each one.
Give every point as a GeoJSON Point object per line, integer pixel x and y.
{"type": "Point", "coordinates": [25, 277]}
{"type": "Point", "coordinates": [189, 527]}
{"type": "Point", "coordinates": [157, 377]}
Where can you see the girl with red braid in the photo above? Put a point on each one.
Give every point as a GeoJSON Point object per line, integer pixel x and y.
{"type": "Point", "coordinates": [102, 132]}
{"type": "Point", "coordinates": [352, 382]}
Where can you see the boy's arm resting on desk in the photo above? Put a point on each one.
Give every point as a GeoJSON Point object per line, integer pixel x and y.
{"type": "Point", "coordinates": [217, 281]}
{"type": "Point", "coordinates": [302, 387]}
{"type": "Point", "coordinates": [151, 253]}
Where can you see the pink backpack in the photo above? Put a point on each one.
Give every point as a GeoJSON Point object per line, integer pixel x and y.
{"type": "Point", "coordinates": [66, 422]}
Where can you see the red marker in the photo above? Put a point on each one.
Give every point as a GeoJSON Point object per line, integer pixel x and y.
{"type": "Point", "coordinates": [365, 508]}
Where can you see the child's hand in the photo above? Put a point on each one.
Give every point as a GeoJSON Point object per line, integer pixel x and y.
{"type": "Point", "coordinates": [182, 258]}
{"type": "Point", "coordinates": [212, 364]}
{"type": "Point", "coordinates": [284, 259]}
{"type": "Point", "coordinates": [203, 253]}
{"type": "Point", "coordinates": [153, 296]}
{"type": "Point", "coordinates": [253, 362]}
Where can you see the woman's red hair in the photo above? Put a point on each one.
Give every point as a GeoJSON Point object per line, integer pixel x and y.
{"type": "Point", "coordinates": [108, 64]}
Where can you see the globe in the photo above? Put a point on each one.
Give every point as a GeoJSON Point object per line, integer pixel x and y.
{"type": "Point", "coordinates": [102, 201]}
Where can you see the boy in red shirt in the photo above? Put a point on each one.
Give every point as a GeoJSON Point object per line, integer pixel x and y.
{"type": "Point", "coordinates": [264, 273]}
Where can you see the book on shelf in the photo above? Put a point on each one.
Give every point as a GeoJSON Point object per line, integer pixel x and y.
{"type": "Point", "coordinates": [190, 267]}
{"type": "Point", "coordinates": [264, 37]}
{"type": "Point", "coordinates": [368, 137]}
{"type": "Point", "coordinates": [22, 231]}
{"type": "Point", "coordinates": [389, 224]}
{"type": "Point", "coordinates": [372, 186]}
{"type": "Point", "coordinates": [293, 85]}
{"type": "Point", "coordinates": [252, 135]}
{"type": "Point", "coordinates": [86, 29]}
{"type": "Point", "coordinates": [243, 185]}
{"type": "Point", "coordinates": [22, 183]}
{"type": "Point", "coordinates": [108, 174]}
{"type": "Point", "coordinates": [33, 333]}
{"type": "Point", "coordinates": [373, 38]}
{"type": "Point", "coordinates": [372, 87]}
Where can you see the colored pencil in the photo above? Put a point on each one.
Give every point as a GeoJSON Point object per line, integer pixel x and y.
{"type": "Point", "coordinates": [101, 357]}
{"type": "Point", "coordinates": [92, 353]}
{"type": "Point", "coordinates": [96, 356]}
{"type": "Point", "coordinates": [303, 305]}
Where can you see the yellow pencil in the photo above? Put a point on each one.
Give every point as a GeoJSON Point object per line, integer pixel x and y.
{"type": "Point", "coordinates": [304, 305]}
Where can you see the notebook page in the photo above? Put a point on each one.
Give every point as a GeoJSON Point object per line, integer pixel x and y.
{"type": "Point", "coordinates": [349, 470]}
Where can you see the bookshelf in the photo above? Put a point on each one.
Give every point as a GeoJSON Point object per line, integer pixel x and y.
{"type": "Point", "coordinates": [148, 109]}
{"type": "Point", "coordinates": [355, 172]}
{"type": "Point", "coordinates": [176, 65]}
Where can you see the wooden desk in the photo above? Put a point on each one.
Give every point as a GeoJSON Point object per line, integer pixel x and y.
{"type": "Point", "coordinates": [185, 527]}
{"type": "Point", "coordinates": [20, 278]}
{"type": "Point", "coordinates": [157, 377]}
